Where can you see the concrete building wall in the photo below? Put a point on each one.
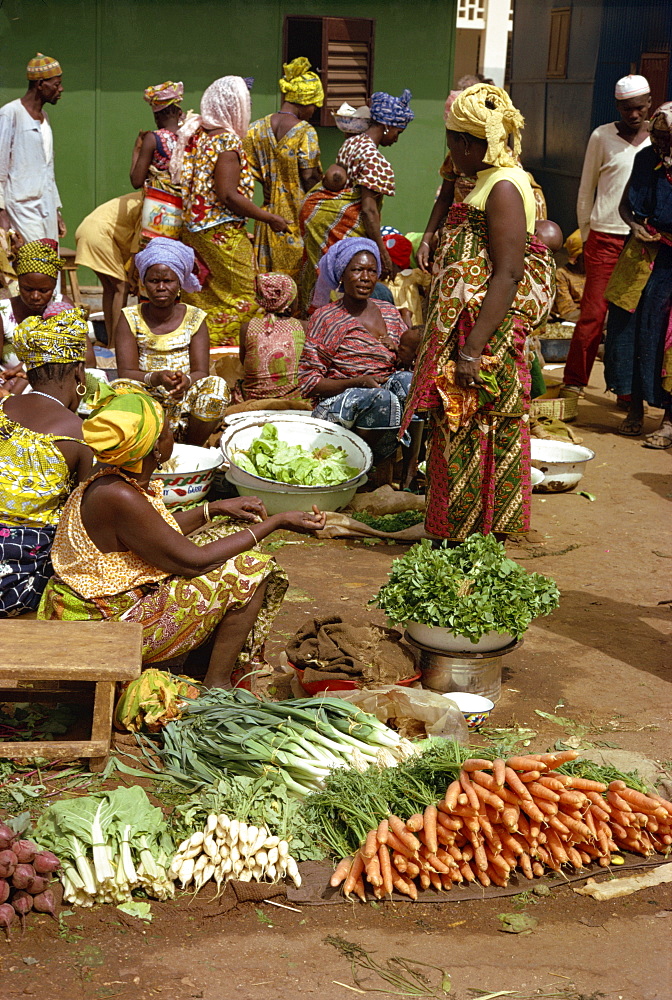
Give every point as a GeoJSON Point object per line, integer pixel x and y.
{"type": "Point", "coordinates": [110, 50]}
{"type": "Point", "coordinates": [607, 41]}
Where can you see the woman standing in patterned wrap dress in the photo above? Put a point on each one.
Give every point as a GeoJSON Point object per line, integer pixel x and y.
{"type": "Point", "coordinates": [492, 283]}
{"type": "Point", "coordinates": [284, 156]}
{"type": "Point", "coordinates": [211, 167]}
{"type": "Point", "coordinates": [328, 216]}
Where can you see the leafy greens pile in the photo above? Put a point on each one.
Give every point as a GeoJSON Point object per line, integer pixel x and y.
{"type": "Point", "coordinates": [109, 844]}
{"type": "Point", "coordinates": [472, 589]}
{"type": "Point", "coordinates": [271, 458]}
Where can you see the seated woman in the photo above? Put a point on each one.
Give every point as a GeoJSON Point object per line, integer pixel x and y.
{"type": "Point", "coordinates": [41, 453]}
{"type": "Point", "coordinates": [348, 362]}
{"type": "Point", "coordinates": [270, 346]}
{"type": "Point", "coordinates": [119, 554]}
{"type": "Point", "coordinates": [165, 344]}
{"type": "Point", "coordinates": [37, 266]}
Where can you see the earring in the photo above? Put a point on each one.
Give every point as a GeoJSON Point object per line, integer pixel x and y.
{"type": "Point", "coordinates": [80, 385]}
{"type": "Point", "coordinates": [159, 463]}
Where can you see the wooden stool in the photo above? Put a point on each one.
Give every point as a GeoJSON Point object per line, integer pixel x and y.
{"type": "Point", "coordinates": [98, 653]}
{"type": "Point", "coordinates": [70, 271]}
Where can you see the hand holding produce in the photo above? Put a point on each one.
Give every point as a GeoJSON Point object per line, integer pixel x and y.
{"type": "Point", "coordinates": [24, 879]}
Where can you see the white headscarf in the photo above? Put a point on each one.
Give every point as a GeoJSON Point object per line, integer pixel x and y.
{"type": "Point", "coordinates": [225, 104]}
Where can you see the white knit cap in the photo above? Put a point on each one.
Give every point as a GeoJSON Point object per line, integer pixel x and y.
{"type": "Point", "coordinates": [631, 86]}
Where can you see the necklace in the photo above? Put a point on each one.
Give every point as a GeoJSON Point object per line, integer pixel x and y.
{"type": "Point", "coordinates": [49, 396]}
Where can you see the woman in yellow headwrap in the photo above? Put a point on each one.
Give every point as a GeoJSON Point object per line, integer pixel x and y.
{"type": "Point", "coordinates": [42, 454]}
{"type": "Point", "coordinates": [37, 266]}
{"type": "Point", "coordinates": [492, 285]}
{"type": "Point", "coordinates": [120, 555]}
{"type": "Point", "coordinates": [284, 156]}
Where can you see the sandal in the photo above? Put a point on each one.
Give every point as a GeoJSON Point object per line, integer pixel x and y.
{"type": "Point", "coordinates": [658, 441]}
{"type": "Point", "coordinates": [631, 427]}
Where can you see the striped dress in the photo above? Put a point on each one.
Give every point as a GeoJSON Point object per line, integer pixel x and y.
{"type": "Point", "coordinates": [328, 216]}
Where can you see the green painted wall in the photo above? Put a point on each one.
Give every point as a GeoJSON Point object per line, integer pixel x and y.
{"type": "Point", "coordinates": [110, 50]}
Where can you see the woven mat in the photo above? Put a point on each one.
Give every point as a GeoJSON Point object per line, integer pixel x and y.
{"type": "Point", "coordinates": [316, 891]}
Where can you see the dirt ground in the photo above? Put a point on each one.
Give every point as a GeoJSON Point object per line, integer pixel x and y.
{"type": "Point", "coordinates": [602, 661]}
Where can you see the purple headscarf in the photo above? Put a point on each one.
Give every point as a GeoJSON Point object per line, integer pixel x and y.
{"type": "Point", "coordinates": [173, 254]}
{"type": "Point", "coordinates": [334, 263]}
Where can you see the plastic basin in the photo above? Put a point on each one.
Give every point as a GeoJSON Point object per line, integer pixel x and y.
{"type": "Point", "coordinates": [193, 479]}
{"type": "Point", "coordinates": [317, 687]}
{"type": "Point", "coordinates": [562, 464]}
{"type": "Point", "coordinates": [445, 640]}
{"type": "Point", "coordinates": [295, 430]}
{"type": "Point", "coordinates": [278, 498]}
{"type": "Point", "coordinates": [474, 707]}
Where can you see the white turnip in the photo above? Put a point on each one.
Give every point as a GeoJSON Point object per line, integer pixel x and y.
{"type": "Point", "coordinates": [45, 862]}
{"type": "Point", "coordinates": [7, 917]}
{"type": "Point", "coordinates": [8, 862]}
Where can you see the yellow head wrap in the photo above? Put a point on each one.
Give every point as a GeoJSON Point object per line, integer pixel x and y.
{"type": "Point", "coordinates": [488, 113]}
{"type": "Point", "coordinates": [124, 425]}
{"type": "Point", "coordinates": [299, 85]}
{"type": "Point", "coordinates": [57, 340]}
{"type": "Point", "coordinates": [574, 244]}
{"type": "Point", "coordinates": [38, 257]}
{"type": "Point", "coordinates": [43, 68]}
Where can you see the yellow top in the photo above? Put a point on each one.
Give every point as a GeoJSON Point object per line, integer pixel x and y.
{"type": "Point", "coordinates": [34, 477]}
{"type": "Point", "coordinates": [405, 288]}
{"type": "Point", "coordinates": [486, 180]}
{"type": "Point", "coordinates": [167, 350]}
{"type": "Point", "coordinates": [87, 570]}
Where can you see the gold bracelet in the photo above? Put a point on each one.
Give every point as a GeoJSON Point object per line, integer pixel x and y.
{"type": "Point", "coordinates": [256, 540]}
{"type": "Point", "coordinates": [206, 512]}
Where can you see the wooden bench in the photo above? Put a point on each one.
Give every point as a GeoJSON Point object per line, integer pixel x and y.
{"type": "Point", "coordinates": [44, 661]}
{"type": "Point", "coordinates": [70, 272]}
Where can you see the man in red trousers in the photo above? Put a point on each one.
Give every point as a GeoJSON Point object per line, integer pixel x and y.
{"type": "Point", "coordinates": [606, 172]}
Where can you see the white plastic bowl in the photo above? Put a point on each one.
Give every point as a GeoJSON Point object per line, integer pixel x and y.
{"type": "Point", "coordinates": [562, 465]}
{"type": "Point", "coordinates": [302, 430]}
{"type": "Point", "coordinates": [445, 640]}
{"type": "Point", "coordinates": [192, 480]}
{"type": "Point", "coordinates": [281, 498]}
{"type": "Point", "coordinates": [537, 477]}
{"type": "Point", "coordinates": [474, 707]}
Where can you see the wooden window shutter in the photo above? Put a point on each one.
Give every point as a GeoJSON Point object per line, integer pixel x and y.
{"type": "Point", "coordinates": [655, 66]}
{"type": "Point", "coordinates": [558, 45]}
{"type": "Point", "coordinates": [347, 55]}
{"type": "Point", "coordinates": [341, 51]}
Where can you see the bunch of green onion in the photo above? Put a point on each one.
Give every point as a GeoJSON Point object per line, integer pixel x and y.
{"type": "Point", "coordinates": [297, 742]}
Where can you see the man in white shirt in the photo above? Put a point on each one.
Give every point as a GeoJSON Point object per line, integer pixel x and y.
{"type": "Point", "coordinates": [606, 171]}
{"type": "Point", "coordinates": [29, 199]}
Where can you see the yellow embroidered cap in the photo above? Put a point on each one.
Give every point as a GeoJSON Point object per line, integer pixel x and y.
{"type": "Point", "coordinates": [43, 67]}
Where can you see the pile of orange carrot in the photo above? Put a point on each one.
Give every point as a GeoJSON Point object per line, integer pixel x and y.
{"type": "Point", "coordinates": [506, 815]}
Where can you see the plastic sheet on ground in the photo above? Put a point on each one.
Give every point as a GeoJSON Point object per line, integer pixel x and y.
{"type": "Point", "coordinates": [439, 715]}
{"type": "Point", "coordinates": [316, 891]}
{"type": "Point", "coordinates": [341, 526]}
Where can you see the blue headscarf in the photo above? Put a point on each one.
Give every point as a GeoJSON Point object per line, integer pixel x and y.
{"type": "Point", "coordinates": [334, 263]}
{"type": "Point", "coordinates": [388, 110]}
{"type": "Point", "coordinates": [171, 253]}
